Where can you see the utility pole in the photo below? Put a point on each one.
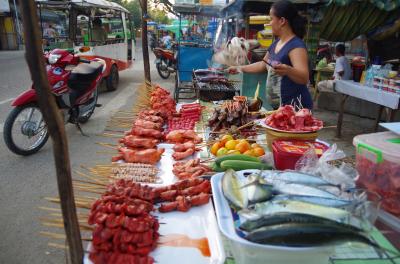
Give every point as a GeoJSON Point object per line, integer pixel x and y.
{"type": "Point", "coordinates": [145, 48]}
{"type": "Point", "coordinates": [55, 125]}
{"type": "Point", "coordinates": [17, 24]}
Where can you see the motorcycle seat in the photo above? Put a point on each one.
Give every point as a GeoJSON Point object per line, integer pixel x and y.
{"type": "Point", "coordinates": [83, 74]}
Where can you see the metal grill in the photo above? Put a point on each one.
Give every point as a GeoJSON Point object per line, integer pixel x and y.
{"type": "Point", "coordinates": [214, 86]}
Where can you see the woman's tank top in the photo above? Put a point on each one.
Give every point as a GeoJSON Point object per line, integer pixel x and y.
{"type": "Point", "coordinates": [291, 92]}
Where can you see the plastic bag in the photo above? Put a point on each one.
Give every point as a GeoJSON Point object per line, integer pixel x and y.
{"type": "Point", "coordinates": [344, 176]}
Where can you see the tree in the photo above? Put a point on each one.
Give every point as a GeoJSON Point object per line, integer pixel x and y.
{"type": "Point", "coordinates": [156, 14]}
{"type": "Point", "coordinates": [159, 16]}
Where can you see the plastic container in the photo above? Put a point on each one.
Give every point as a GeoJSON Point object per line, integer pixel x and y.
{"type": "Point", "coordinates": [288, 152]}
{"type": "Point", "coordinates": [378, 163]}
{"type": "Point", "coordinates": [246, 252]}
{"type": "Point", "coordinates": [274, 135]}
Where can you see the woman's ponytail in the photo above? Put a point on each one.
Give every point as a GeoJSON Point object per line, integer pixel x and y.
{"type": "Point", "coordinates": [298, 25]}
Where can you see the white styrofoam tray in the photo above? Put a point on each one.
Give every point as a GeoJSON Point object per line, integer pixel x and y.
{"type": "Point", "coordinates": [246, 252]}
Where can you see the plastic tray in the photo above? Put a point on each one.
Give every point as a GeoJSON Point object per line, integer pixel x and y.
{"type": "Point", "coordinates": [246, 252]}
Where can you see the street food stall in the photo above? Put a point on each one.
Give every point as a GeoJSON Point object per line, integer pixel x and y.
{"type": "Point", "coordinates": [229, 182]}
{"type": "Point", "coordinates": [201, 182]}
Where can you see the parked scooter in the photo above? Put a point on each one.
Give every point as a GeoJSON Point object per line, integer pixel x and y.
{"type": "Point", "coordinates": [165, 61]}
{"type": "Point", "coordinates": [75, 87]}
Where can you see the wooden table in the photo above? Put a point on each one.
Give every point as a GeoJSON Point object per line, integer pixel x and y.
{"type": "Point", "coordinates": [386, 100]}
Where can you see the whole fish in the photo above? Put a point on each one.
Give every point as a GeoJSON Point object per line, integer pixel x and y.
{"type": "Point", "coordinates": [285, 218]}
{"type": "Point", "coordinates": [330, 202]}
{"type": "Point", "coordinates": [273, 207]}
{"type": "Point", "coordinates": [296, 177]}
{"type": "Point", "coordinates": [257, 189]}
{"type": "Point", "coordinates": [306, 235]}
{"type": "Point", "coordinates": [300, 189]}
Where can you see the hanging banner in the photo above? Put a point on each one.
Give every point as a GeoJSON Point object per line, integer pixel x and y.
{"type": "Point", "coordinates": [4, 6]}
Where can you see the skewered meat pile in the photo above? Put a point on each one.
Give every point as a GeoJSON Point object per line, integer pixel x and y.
{"type": "Point", "coordinates": [189, 189]}
{"type": "Point", "coordinates": [183, 150]}
{"type": "Point", "coordinates": [147, 124]}
{"type": "Point", "coordinates": [182, 136]}
{"type": "Point", "coordinates": [139, 142]}
{"type": "Point", "coordinates": [124, 230]}
{"type": "Point", "coordinates": [286, 118]}
{"type": "Point", "coordinates": [187, 117]}
{"type": "Point", "coordinates": [161, 101]}
{"type": "Point", "coordinates": [189, 169]}
{"type": "Point", "coordinates": [138, 172]}
{"type": "Point", "coordinates": [148, 156]}
{"type": "Point", "coordinates": [230, 113]}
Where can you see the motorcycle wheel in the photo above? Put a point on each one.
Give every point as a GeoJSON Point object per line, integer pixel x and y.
{"type": "Point", "coordinates": [164, 73]}
{"type": "Point", "coordinates": [85, 118]}
{"type": "Point", "coordinates": [25, 131]}
{"type": "Point", "coordinates": [112, 79]}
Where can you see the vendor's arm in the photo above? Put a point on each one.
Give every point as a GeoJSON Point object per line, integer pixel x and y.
{"type": "Point", "coordinates": [299, 71]}
{"type": "Point", "coordinates": [256, 67]}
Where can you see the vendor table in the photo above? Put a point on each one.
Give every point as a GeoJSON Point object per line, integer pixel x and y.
{"type": "Point", "coordinates": [322, 74]}
{"type": "Point", "coordinates": [385, 100]}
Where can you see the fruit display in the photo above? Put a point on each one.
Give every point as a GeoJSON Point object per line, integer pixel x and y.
{"type": "Point", "coordinates": [228, 145]}
{"type": "Point", "coordinates": [286, 118]}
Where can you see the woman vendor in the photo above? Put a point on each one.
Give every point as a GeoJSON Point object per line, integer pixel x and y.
{"type": "Point", "coordinates": [287, 55]}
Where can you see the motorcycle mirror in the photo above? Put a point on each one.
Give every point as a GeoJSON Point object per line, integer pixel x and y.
{"type": "Point", "coordinates": [84, 49]}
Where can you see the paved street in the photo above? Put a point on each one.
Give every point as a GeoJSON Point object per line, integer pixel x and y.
{"type": "Point", "coordinates": [26, 180]}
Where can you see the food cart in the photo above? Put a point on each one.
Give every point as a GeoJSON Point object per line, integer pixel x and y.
{"type": "Point", "coordinates": [195, 48]}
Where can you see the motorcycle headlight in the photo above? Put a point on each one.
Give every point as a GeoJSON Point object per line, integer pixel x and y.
{"type": "Point", "coordinates": [53, 58]}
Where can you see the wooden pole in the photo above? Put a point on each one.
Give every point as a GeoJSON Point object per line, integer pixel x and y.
{"type": "Point", "coordinates": [47, 104]}
{"type": "Point", "coordinates": [145, 47]}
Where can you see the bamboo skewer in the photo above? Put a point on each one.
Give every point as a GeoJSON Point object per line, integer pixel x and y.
{"type": "Point", "coordinates": [108, 145]}
{"type": "Point", "coordinates": [59, 236]}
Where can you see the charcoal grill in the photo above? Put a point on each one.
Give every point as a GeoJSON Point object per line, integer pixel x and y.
{"type": "Point", "coordinates": [214, 86]}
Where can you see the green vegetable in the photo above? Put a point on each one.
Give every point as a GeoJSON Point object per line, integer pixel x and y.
{"type": "Point", "coordinates": [243, 165]}
{"type": "Point", "coordinates": [236, 157]}
{"type": "Point", "coordinates": [216, 168]}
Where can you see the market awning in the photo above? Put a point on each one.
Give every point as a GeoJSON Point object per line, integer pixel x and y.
{"type": "Point", "coordinates": [344, 23]}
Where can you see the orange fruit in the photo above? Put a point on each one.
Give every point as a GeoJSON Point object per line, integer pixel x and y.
{"type": "Point", "coordinates": [255, 145]}
{"type": "Point", "coordinates": [221, 152]}
{"type": "Point", "coordinates": [225, 139]}
{"type": "Point", "coordinates": [231, 152]}
{"type": "Point", "coordinates": [249, 152]}
{"type": "Point", "coordinates": [242, 146]}
{"type": "Point", "coordinates": [215, 148]}
{"type": "Point", "coordinates": [258, 151]}
{"type": "Point", "coordinates": [231, 144]}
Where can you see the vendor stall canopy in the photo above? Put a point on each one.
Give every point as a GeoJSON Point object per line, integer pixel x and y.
{"type": "Point", "coordinates": [86, 3]}
{"type": "Point", "coordinates": [341, 20]}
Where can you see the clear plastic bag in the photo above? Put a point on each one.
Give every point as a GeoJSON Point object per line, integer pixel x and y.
{"type": "Point", "coordinates": [344, 176]}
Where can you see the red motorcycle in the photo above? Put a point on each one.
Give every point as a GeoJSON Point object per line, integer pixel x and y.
{"type": "Point", "coordinates": [165, 61]}
{"type": "Point", "coordinates": [75, 87]}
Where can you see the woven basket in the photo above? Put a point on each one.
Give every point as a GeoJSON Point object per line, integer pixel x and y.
{"type": "Point", "coordinates": [274, 135]}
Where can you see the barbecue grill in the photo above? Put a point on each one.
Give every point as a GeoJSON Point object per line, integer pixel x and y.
{"type": "Point", "coordinates": [213, 85]}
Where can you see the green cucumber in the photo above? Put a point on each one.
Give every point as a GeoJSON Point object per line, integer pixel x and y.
{"type": "Point", "coordinates": [243, 165]}
{"type": "Point", "coordinates": [216, 168]}
{"type": "Point", "coordinates": [237, 157]}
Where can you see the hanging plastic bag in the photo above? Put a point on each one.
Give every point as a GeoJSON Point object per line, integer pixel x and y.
{"type": "Point", "coordinates": [344, 176]}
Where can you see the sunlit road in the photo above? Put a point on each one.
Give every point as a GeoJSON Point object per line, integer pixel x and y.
{"type": "Point", "coordinates": [26, 180]}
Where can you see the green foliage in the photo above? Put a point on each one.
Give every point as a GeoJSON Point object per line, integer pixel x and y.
{"type": "Point", "coordinates": [157, 15]}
